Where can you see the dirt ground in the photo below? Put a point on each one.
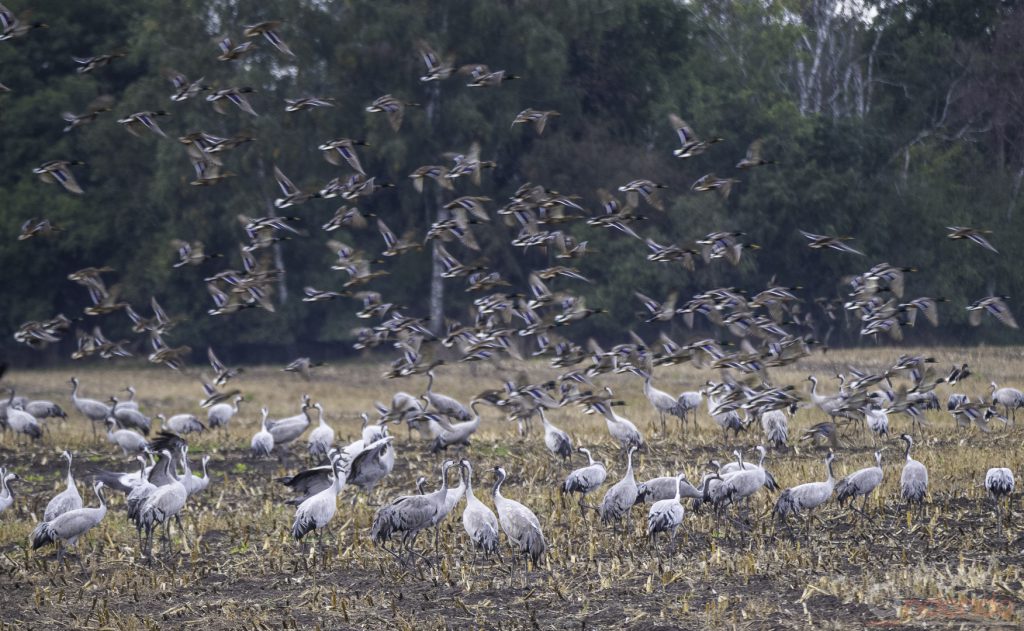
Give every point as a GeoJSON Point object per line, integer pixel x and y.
{"type": "Point", "coordinates": [950, 564]}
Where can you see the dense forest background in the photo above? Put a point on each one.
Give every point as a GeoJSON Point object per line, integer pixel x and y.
{"type": "Point", "coordinates": [887, 121]}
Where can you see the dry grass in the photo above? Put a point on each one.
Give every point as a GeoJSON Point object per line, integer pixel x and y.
{"type": "Point", "coordinates": [236, 567]}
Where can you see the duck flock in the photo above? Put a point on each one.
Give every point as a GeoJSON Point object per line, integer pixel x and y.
{"type": "Point", "coordinates": [766, 329]}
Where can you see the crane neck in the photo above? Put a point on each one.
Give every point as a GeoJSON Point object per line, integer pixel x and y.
{"type": "Point", "coordinates": [206, 476]}
{"type": "Point", "coordinates": [828, 466]}
{"type": "Point", "coordinates": [679, 482]}
{"type": "Point", "coordinates": [71, 479]}
{"type": "Point", "coordinates": [906, 452]}
{"type": "Point", "coordinates": [496, 492]}
{"type": "Point", "coordinates": [629, 465]}
{"type": "Point", "coordinates": [760, 461]}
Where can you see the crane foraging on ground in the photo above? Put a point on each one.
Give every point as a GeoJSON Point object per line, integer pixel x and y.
{"type": "Point", "coordinates": [809, 496]}
{"type": "Point", "coordinates": [860, 483]}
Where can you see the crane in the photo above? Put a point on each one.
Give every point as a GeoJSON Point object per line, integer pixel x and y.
{"type": "Point", "coordinates": [914, 479]}
{"type": "Point", "coordinates": [556, 440]}
{"type": "Point", "coordinates": [860, 483]}
{"type": "Point", "coordinates": [68, 527]}
{"type": "Point", "coordinates": [409, 515]}
{"type": "Point", "coordinates": [67, 500]}
{"type": "Point", "coordinates": [521, 526]}
{"type": "Point", "coordinates": [808, 496]}
{"type": "Point", "coordinates": [477, 519]}
{"type": "Point", "coordinates": [585, 480]}
{"type": "Point", "coordinates": [620, 498]}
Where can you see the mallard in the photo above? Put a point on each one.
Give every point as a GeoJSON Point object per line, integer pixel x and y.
{"type": "Point", "coordinates": [819, 241]}
{"type": "Point", "coordinates": [972, 234]}
{"type": "Point", "coordinates": [691, 145]}
{"type": "Point", "coordinates": [104, 301]}
{"type": "Point", "coordinates": [993, 305]}
{"type": "Point", "coordinates": [173, 358]}
{"type": "Point", "coordinates": [12, 26]}
{"type": "Point", "coordinates": [269, 31]}
{"type": "Point", "coordinates": [669, 253]}
{"type": "Point", "coordinates": [140, 121]}
{"type": "Point", "coordinates": [483, 77]}
{"type": "Point", "coordinates": [753, 157]}
{"type": "Point", "coordinates": [317, 295]}
{"type": "Point", "coordinates": [230, 52]}
{"type": "Point", "coordinates": [710, 182]}
{"type": "Point", "coordinates": [437, 69]}
{"type": "Point", "coordinates": [220, 98]}
{"type": "Point", "coordinates": [343, 148]}
{"type": "Point", "coordinates": [307, 103]}
{"type": "Point", "coordinates": [253, 226]}
{"type": "Point", "coordinates": [646, 189]}
{"type": "Point", "coordinates": [99, 105]}
{"type": "Point", "coordinates": [58, 171]}
{"type": "Point", "coordinates": [88, 64]}
{"type": "Point", "coordinates": [291, 193]}
{"type": "Point", "coordinates": [4, 88]}
{"type": "Point", "coordinates": [191, 253]}
{"type": "Point", "coordinates": [394, 245]}
{"type": "Point", "coordinates": [208, 171]}
{"type": "Point", "coordinates": [183, 88]}
{"type": "Point", "coordinates": [539, 118]}
{"type": "Point", "coordinates": [436, 172]}
{"type": "Point", "coordinates": [724, 245]}
{"type": "Point", "coordinates": [37, 227]}
{"type": "Point", "coordinates": [394, 108]}
{"type": "Point", "coordinates": [347, 217]}
{"type": "Point", "coordinates": [468, 163]}
{"type": "Point", "coordinates": [464, 207]}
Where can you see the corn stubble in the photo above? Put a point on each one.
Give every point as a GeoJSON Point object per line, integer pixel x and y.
{"type": "Point", "coordinates": [235, 565]}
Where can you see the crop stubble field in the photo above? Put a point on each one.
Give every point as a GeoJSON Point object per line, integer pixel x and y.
{"type": "Point", "coordinates": [237, 566]}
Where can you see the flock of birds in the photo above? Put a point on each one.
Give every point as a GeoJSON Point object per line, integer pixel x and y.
{"type": "Point", "coordinates": [773, 328]}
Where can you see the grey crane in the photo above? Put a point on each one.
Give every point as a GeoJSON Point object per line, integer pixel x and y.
{"type": "Point", "coordinates": [181, 424]}
{"type": "Point", "coordinates": [316, 511]}
{"type": "Point", "coordinates": [808, 496]}
{"type": "Point", "coordinates": [664, 488]}
{"type": "Point", "coordinates": [128, 440]}
{"type": "Point", "coordinates": [44, 409]}
{"type": "Point", "coordinates": [860, 483]}
{"type": "Point", "coordinates": [478, 520]}
{"type": "Point", "coordinates": [999, 482]}
{"type": "Point", "coordinates": [662, 402]}
{"type": "Point", "coordinates": [122, 481]}
{"type": "Point", "coordinates": [775, 425]}
{"type": "Point", "coordinates": [622, 429]}
{"type": "Point", "coordinates": [6, 494]}
{"type": "Point", "coordinates": [914, 479]}
{"type": "Point", "coordinates": [288, 429]}
{"type": "Point", "coordinates": [67, 500]}
{"type": "Point", "coordinates": [585, 480]}
{"type": "Point", "coordinates": [262, 443]}
{"type": "Point", "coordinates": [129, 418]}
{"type": "Point", "coordinates": [219, 415]}
{"type": "Point", "coordinates": [1009, 398]}
{"type": "Point", "coordinates": [404, 407]}
{"type": "Point", "coordinates": [68, 527]}
{"type": "Point", "coordinates": [687, 404]}
{"type": "Point", "coordinates": [372, 464]}
{"type": "Point", "coordinates": [740, 465]}
{"type": "Point", "coordinates": [321, 439]}
{"type": "Point", "coordinates": [665, 516]}
{"type": "Point", "coordinates": [90, 408]}
{"type": "Point", "coordinates": [555, 439]}
{"type": "Point", "coordinates": [193, 483]}
{"type": "Point", "coordinates": [449, 434]}
{"type": "Point", "coordinates": [409, 515]}
{"type": "Point", "coordinates": [877, 421]}
{"type": "Point", "coordinates": [165, 502]}
{"type": "Point", "coordinates": [443, 403]}
{"type": "Point", "coordinates": [311, 481]}
{"type": "Point", "coordinates": [727, 419]}
{"type": "Point", "coordinates": [21, 422]}
{"type": "Point", "coordinates": [521, 526]}
{"type": "Point", "coordinates": [620, 498]}
{"type": "Point", "coordinates": [741, 482]}
{"type": "Point", "coordinates": [131, 402]}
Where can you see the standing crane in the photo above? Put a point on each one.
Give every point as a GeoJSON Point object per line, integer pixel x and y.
{"type": "Point", "coordinates": [521, 526]}
{"type": "Point", "coordinates": [130, 441]}
{"type": "Point", "coordinates": [860, 484]}
{"type": "Point", "coordinates": [262, 443]}
{"type": "Point", "coordinates": [618, 501]}
{"type": "Point", "coordinates": [317, 510]}
{"type": "Point", "coordinates": [164, 503]}
{"type": "Point", "coordinates": [409, 515]}
{"type": "Point", "coordinates": [1009, 398]}
{"type": "Point", "coordinates": [662, 402]}
{"type": "Point", "coordinates": [622, 429]}
{"type": "Point", "coordinates": [68, 527]}
{"type": "Point", "coordinates": [999, 482]}
{"type": "Point", "coordinates": [585, 480]}
{"type": "Point", "coordinates": [219, 415]}
{"type": "Point", "coordinates": [555, 439]}
{"type": "Point", "coordinates": [444, 404]}
{"type": "Point", "coordinates": [775, 425]}
{"type": "Point", "coordinates": [479, 521]}
{"type": "Point", "coordinates": [809, 496]}
{"type": "Point", "coordinates": [67, 500]}
{"type": "Point", "coordinates": [914, 479]}
{"type": "Point", "coordinates": [90, 408]}
{"type": "Point", "coordinates": [6, 494]}
{"type": "Point", "coordinates": [666, 515]}
{"type": "Point", "coordinates": [321, 439]}
{"type": "Point", "coordinates": [21, 422]}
